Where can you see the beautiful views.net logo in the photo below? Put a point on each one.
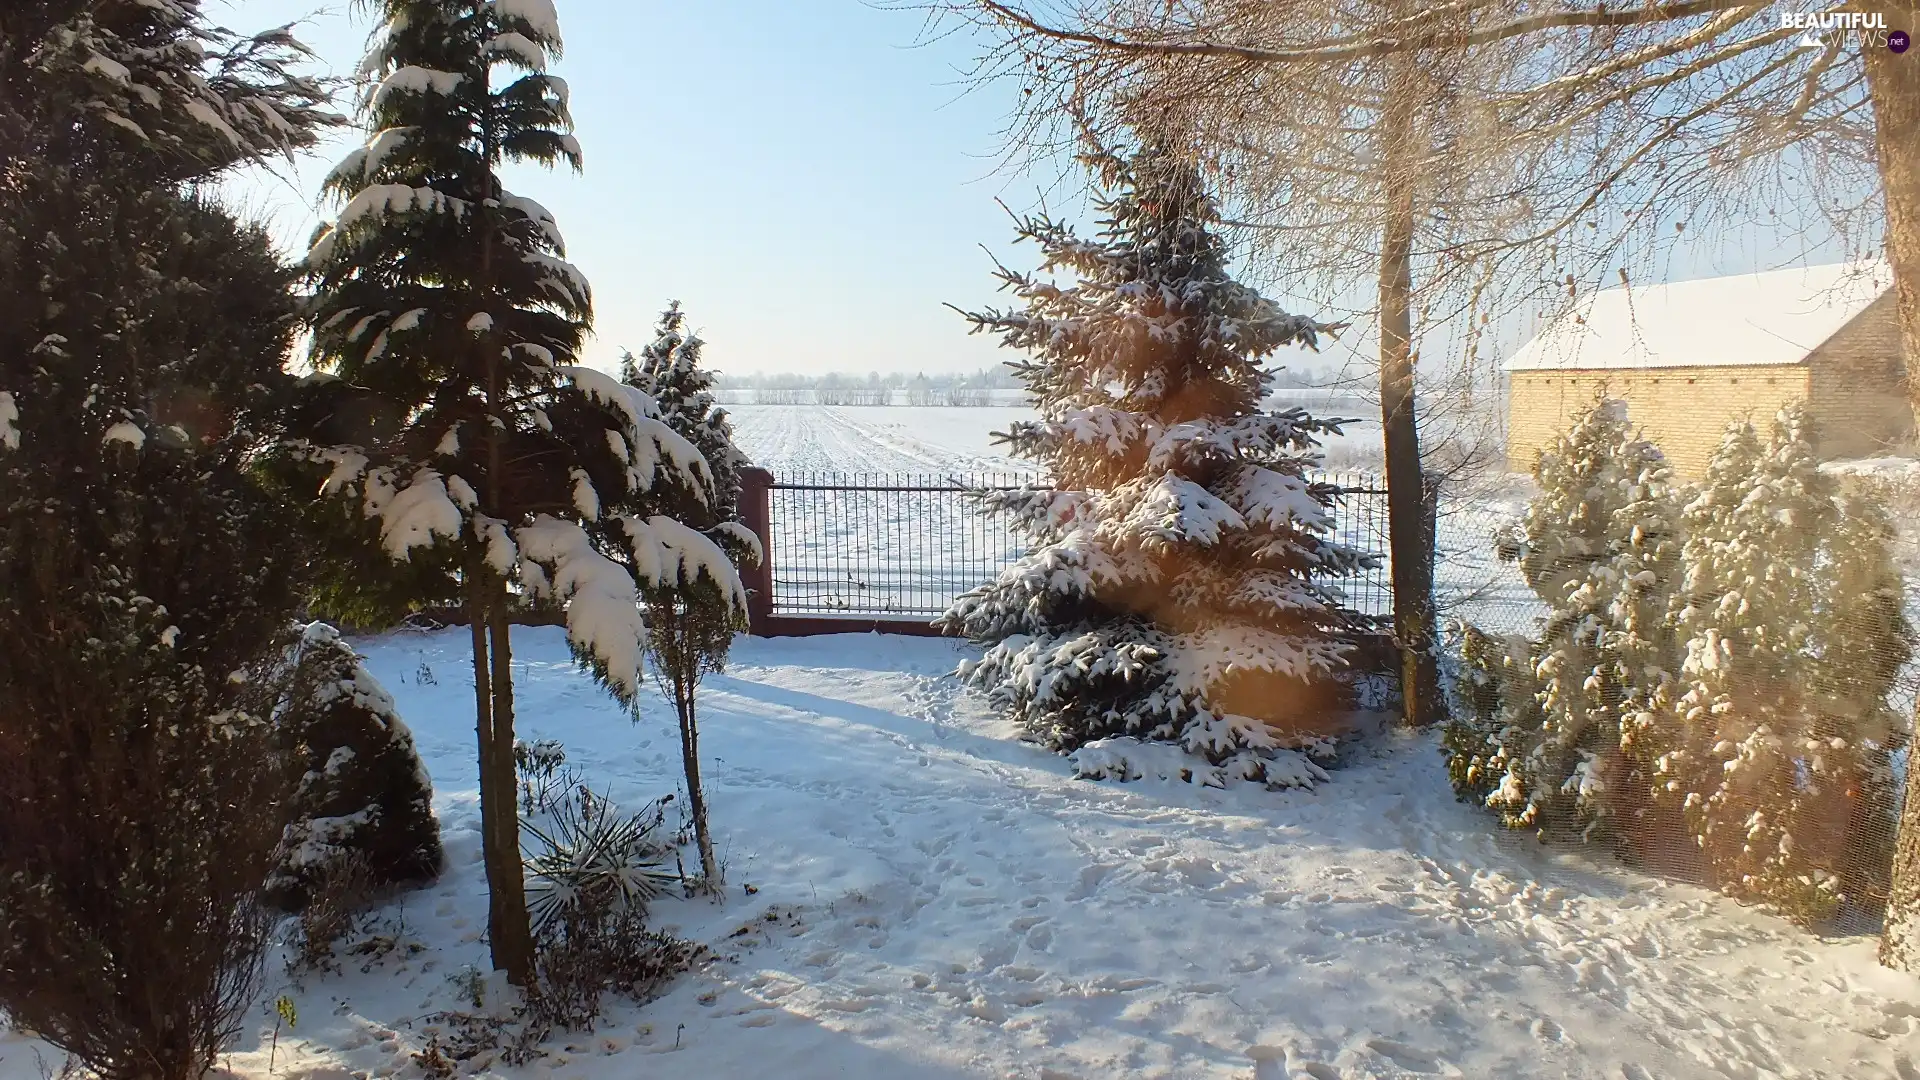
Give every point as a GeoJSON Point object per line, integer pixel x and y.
{"type": "Point", "coordinates": [1855, 29]}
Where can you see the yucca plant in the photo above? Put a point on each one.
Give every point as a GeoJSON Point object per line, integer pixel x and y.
{"type": "Point", "coordinates": [591, 862]}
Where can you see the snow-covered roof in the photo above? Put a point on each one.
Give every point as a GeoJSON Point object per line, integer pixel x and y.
{"type": "Point", "coordinates": [1773, 317]}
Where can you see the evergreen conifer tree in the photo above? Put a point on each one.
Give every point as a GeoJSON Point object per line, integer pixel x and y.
{"type": "Point", "coordinates": [1792, 642]}
{"type": "Point", "coordinates": [668, 370]}
{"type": "Point", "coordinates": [692, 616]}
{"type": "Point", "coordinates": [146, 575]}
{"type": "Point", "coordinates": [363, 793]}
{"type": "Point", "coordinates": [1176, 589]}
{"type": "Point", "coordinates": [456, 426]}
{"type": "Point", "coordinates": [1600, 546]}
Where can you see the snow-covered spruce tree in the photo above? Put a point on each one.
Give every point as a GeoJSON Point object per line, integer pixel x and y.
{"type": "Point", "coordinates": [364, 793]}
{"type": "Point", "coordinates": [1792, 645]}
{"type": "Point", "coordinates": [694, 611]}
{"type": "Point", "coordinates": [1600, 546]}
{"type": "Point", "coordinates": [1175, 587]}
{"type": "Point", "coordinates": [456, 429]}
{"type": "Point", "coordinates": [668, 370]}
{"type": "Point", "coordinates": [146, 577]}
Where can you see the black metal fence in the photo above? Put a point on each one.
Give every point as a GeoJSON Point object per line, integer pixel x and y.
{"type": "Point", "coordinates": [884, 546]}
{"type": "Point", "coordinates": [853, 549]}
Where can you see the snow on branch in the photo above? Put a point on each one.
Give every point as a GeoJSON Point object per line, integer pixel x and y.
{"type": "Point", "coordinates": [1169, 510]}
{"type": "Point", "coordinates": [603, 607]}
{"type": "Point", "coordinates": [539, 215]}
{"type": "Point", "coordinates": [562, 280]}
{"type": "Point", "coordinates": [125, 432]}
{"type": "Point", "coordinates": [517, 49]}
{"type": "Point", "coordinates": [415, 516]}
{"type": "Point", "coordinates": [9, 421]}
{"type": "Point", "coordinates": [414, 79]}
{"type": "Point", "coordinates": [670, 554]}
{"type": "Point", "coordinates": [537, 19]}
{"type": "Point", "coordinates": [1282, 500]}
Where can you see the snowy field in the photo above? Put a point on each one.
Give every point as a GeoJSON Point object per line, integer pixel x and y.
{"type": "Point", "coordinates": [934, 899]}
{"type": "Point", "coordinates": [933, 438]}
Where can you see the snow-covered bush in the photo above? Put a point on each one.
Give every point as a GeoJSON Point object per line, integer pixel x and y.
{"type": "Point", "coordinates": [1793, 630]}
{"type": "Point", "coordinates": [1492, 696]}
{"type": "Point", "coordinates": [1568, 747]}
{"type": "Point", "coordinates": [1176, 585]}
{"type": "Point", "coordinates": [1711, 687]}
{"type": "Point", "coordinates": [364, 794]}
{"type": "Point", "coordinates": [146, 576]}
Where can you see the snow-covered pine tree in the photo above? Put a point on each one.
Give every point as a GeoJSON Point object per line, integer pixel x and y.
{"type": "Point", "coordinates": [668, 370]}
{"type": "Point", "coordinates": [146, 577]}
{"type": "Point", "coordinates": [456, 425]}
{"type": "Point", "coordinates": [1792, 645]}
{"type": "Point", "coordinates": [1176, 588]}
{"type": "Point", "coordinates": [1600, 546]}
{"type": "Point", "coordinates": [693, 614]}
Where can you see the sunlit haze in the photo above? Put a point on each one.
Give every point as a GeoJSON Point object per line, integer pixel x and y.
{"type": "Point", "coordinates": [812, 184]}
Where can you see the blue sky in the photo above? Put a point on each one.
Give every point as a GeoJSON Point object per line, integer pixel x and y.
{"type": "Point", "coordinates": [808, 181]}
{"type": "Point", "coordinates": [811, 178]}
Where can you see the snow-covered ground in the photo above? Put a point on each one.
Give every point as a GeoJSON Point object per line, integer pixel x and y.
{"type": "Point", "coordinates": [936, 899]}
{"type": "Point", "coordinates": [875, 439]}
{"type": "Point", "coordinates": [935, 438]}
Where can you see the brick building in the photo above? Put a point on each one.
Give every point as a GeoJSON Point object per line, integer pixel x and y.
{"type": "Point", "coordinates": [1689, 356]}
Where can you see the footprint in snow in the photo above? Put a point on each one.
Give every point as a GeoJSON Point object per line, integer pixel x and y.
{"type": "Point", "coordinates": [1410, 1058]}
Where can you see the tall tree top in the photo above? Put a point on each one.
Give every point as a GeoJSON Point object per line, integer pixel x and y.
{"type": "Point", "coordinates": [1153, 353]}
{"type": "Point", "coordinates": [84, 78]}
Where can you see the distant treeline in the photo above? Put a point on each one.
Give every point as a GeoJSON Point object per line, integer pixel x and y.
{"type": "Point", "coordinates": [989, 386]}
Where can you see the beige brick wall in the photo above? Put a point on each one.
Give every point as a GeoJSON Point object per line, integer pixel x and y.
{"type": "Point", "coordinates": [1858, 400]}
{"type": "Point", "coordinates": [1683, 410]}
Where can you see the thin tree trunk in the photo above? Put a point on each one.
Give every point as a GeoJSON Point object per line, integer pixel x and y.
{"type": "Point", "coordinates": [1893, 86]}
{"type": "Point", "coordinates": [683, 693]}
{"type": "Point", "coordinates": [513, 940]}
{"type": "Point", "coordinates": [1409, 541]}
{"type": "Point", "coordinates": [483, 723]}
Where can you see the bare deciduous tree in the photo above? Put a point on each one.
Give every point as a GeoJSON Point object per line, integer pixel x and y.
{"type": "Point", "coordinates": [1472, 158]}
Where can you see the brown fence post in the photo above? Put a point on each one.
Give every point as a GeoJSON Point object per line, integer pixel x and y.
{"type": "Point", "coordinates": [756, 513]}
